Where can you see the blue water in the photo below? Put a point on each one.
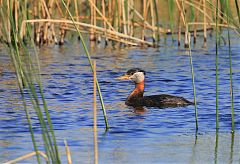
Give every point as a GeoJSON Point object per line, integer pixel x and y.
{"type": "Point", "coordinates": [150, 136]}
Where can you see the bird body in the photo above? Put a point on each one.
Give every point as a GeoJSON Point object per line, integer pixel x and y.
{"type": "Point", "coordinates": [136, 98]}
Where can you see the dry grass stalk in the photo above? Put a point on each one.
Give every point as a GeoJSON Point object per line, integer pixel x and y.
{"type": "Point", "coordinates": [179, 29]}
{"type": "Point", "coordinates": [147, 25]}
{"type": "Point", "coordinates": [144, 18]}
{"type": "Point", "coordinates": [110, 6]}
{"type": "Point", "coordinates": [103, 17]}
{"type": "Point", "coordinates": [104, 22]}
{"type": "Point", "coordinates": [131, 15]}
{"type": "Point", "coordinates": [186, 44]}
{"type": "Point", "coordinates": [195, 26]}
{"type": "Point", "coordinates": [124, 18]}
{"type": "Point", "coordinates": [181, 11]}
{"type": "Point", "coordinates": [153, 20]}
{"type": "Point", "coordinates": [8, 22]}
{"type": "Point", "coordinates": [204, 21]}
{"type": "Point", "coordinates": [69, 159]}
{"type": "Point", "coordinates": [119, 16]}
{"type": "Point", "coordinates": [28, 156]}
{"type": "Point", "coordinates": [44, 32]}
{"type": "Point", "coordinates": [76, 10]}
{"type": "Point", "coordinates": [92, 15]}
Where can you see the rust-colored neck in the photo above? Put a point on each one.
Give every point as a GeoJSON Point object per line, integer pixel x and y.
{"type": "Point", "coordinates": [138, 91]}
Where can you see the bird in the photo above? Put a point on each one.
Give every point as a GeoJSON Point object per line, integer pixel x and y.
{"type": "Point", "coordinates": [136, 98]}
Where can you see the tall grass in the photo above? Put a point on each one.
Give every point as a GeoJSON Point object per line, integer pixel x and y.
{"type": "Point", "coordinates": [216, 148]}
{"type": "Point", "coordinates": [29, 85]}
{"type": "Point", "coordinates": [216, 65]}
{"type": "Point", "coordinates": [230, 67]}
{"type": "Point", "coordinates": [193, 82]}
{"type": "Point", "coordinates": [91, 65]}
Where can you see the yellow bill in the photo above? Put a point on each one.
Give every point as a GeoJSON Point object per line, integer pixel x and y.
{"type": "Point", "coordinates": [124, 77]}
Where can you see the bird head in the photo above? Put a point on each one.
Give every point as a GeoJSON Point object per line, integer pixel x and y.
{"type": "Point", "coordinates": [136, 75]}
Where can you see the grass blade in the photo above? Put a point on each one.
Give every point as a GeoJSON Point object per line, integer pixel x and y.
{"type": "Point", "coordinates": [91, 64]}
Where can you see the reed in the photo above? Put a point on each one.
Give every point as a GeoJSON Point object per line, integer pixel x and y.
{"type": "Point", "coordinates": [230, 69]}
{"type": "Point", "coordinates": [144, 18]}
{"type": "Point", "coordinates": [232, 146]}
{"type": "Point", "coordinates": [193, 81]}
{"type": "Point", "coordinates": [195, 26]}
{"type": "Point", "coordinates": [27, 85]}
{"type": "Point", "coordinates": [238, 12]}
{"type": "Point", "coordinates": [179, 29]}
{"type": "Point", "coordinates": [69, 159]}
{"type": "Point", "coordinates": [171, 12]}
{"type": "Point", "coordinates": [204, 21]}
{"type": "Point", "coordinates": [49, 18]}
{"type": "Point", "coordinates": [14, 54]}
{"type": "Point", "coordinates": [29, 155]}
{"type": "Point", "coordinates": [152, 14]}
{"type": "Point", "coordinates": [216, 66]}
{"type": "Point", "coordinates": [91, 64]}
{"type": "Point", "coordinates": [216, 148]}
{"type": "Point", "coordinates": [95, 113]}
{"type": "Point", "coordinates": [157, 20]}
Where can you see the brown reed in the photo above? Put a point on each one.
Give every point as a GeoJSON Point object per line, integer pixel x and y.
{"type": "Point", "coordinates": [29, 155]}
{"type": "Point", "coordinates": [113, 20]}
{"type": "Point", "coordinates": [69, 159]}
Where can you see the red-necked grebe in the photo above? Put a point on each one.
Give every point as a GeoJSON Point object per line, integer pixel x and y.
{"type": "Point", "coordinates": [136, 98]}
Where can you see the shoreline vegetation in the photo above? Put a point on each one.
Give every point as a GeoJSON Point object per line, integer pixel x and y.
{"type": "Point", "coordinates": [26, 24]}
{"type": "Point", "coordinates": [129, 22]}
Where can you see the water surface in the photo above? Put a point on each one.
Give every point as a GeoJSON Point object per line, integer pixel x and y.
{"type": "Point", "coordinates": [153, 136]}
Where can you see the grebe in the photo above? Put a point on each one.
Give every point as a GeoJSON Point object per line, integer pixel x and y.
{"type": "Point", "coordinates": [136, 98]}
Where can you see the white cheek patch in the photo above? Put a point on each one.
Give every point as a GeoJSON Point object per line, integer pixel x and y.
{"type": "Point", "coordinates": [137, 77]}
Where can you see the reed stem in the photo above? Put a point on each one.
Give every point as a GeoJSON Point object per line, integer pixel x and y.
{"type": "Point", "coordinates": [216, 66]}
{"type": "Point", "coordinates": [204, 20]}
{"type": "Point", "coordinates": [193, 81]}
{"type": "Point", "coordinates": [157, 20]}
{"type": "Point", "coordinates": [216, 148]}
{"type": "Point", "coordinates": [230, 70]}
{"type": "Point", "coordinates": [91, 64]}
{"type": "Point", "coordinates": [95, 114]}
{"type": "Point", "coordinates": [69, 159]}
{"type": "Point", "coordinates": [238, 12]}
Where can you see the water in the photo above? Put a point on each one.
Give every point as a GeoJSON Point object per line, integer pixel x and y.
{"type": "Point", "coordinates": [153, 136]}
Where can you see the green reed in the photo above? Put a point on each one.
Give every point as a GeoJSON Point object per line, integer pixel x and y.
{"type": "Point", "coordinates": [230, 66]}
{"type": "Point", "coordinates": [193, 82]}
{"type": "Point", "coordinates": [216, 148]}
{"type": "Point", "coordinates": [25, 69]}
{"type": "Point", "coordinates": [91, 64]}
{"type": "Point", "coordinates": [216, 66]}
